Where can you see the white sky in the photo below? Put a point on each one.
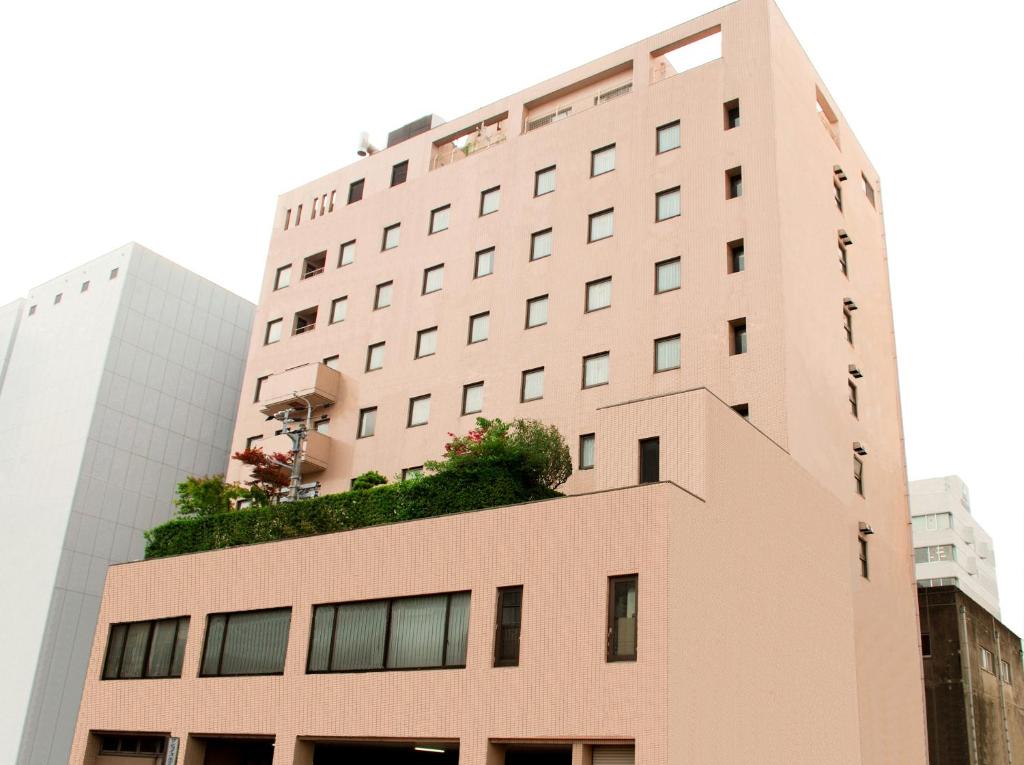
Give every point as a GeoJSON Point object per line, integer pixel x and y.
{"type": "Point", "coordinates": [178, 124]}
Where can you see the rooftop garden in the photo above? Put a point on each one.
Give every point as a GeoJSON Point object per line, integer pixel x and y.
{"type": "Point", "coordinates": [497, 463]}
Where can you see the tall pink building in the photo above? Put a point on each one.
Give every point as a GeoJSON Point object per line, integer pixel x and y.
{"type": "Point", "coordinates": [629, 251]}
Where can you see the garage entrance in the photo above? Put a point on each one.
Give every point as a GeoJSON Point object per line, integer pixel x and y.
{"type": "Point", "coordinates": [238, 751]}
{"type": "Point", "coordinates": [386, 753]}
{"type": "Point", "coordinates": [538, 754]}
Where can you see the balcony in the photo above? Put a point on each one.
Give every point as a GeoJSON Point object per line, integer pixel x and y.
{"type": "Point", "coordinates": [315, 456]}
{"type": "Point", "coordinates": [470, 140]}
{"type": "Point", "coordinates": [317, 383]}
{"type": "Point", "coordinates": [305, 321]}
{"type": "Point", "coordinates": [314, 265]}
{"type": "Point", "coordinates": [579, 97]}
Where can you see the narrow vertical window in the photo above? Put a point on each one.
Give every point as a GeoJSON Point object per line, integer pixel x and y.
{"type": "Point", "coordinates": [399, 172]}
{"type": "Point", "coordinates": [858, 476]}
{"type": "Point", "coordinates": [588, 442]}
{"type": "Point", "coordinates": [737, 337]}
{"type": "Point", "coordinates": [838, 192]}
{"type": "Point", "coordinates": [533, 385]}
{"type": "Point", "coordinates": [507, 626]}
{"type": "Point", "coordinates": [869, 190]}
{"type": "Point", "coordinates": [479, 327]}
{"type": "Point", "coordinates": [339, 309]}
{"type": "Point", "coordinates": [347, 254]}
{"type": "Point", "coordinates": [650, 460]}
{"type": "Point", "coordinates": [862, 542]}
{"type": "Point", "coordinates": [854, 408]}
{"type": "Point", "coordinates": [622, 613]}
{"type": "Point", "coordinates": [472, 398]}
{"type": "Point", "coordinates": [844, 265]}
{"type": "Point", "coordinates": [287, 218]}
{"type": "Point", "coordinates": [273, 333]}
{"type": "Point", "coordinates": [259, 388]}
{"type": "Point", "coordinates": [732, 114]}
{"type": "Point", "coordinates": [737, 257]}
{"type": "Point", "coordinates": [848, 324]}
{"type": "Point", "coordinates": [298, 215]}
{"type": "Point", "coordinates": [113, 273]}
{"type": "Point", "coordinates": [355, 190]}
{"type": "Point", "coordinates": [544, 181]}
{"type": "Point", "coordinates": [283, 277]}
{"type": "Point", "coordinates": [330, 205]}
{"type": "Point", "coordinates": [668, 137]}
{"type": "Point", "coordinates": [734, 183]}
{"type": "Point", "coordinates": [367, 422]}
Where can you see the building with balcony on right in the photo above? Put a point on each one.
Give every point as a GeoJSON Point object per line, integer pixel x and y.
{"type": "Point", "coordinates": [950, 547]}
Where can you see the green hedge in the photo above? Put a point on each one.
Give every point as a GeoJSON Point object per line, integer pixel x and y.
{"type": "Point", "coordinates": [468, 487]}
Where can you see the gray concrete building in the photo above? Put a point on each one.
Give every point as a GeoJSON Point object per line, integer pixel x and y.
{"type": "Point", "coordinates": [117, 379]}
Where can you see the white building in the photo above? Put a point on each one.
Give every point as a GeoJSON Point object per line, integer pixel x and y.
{"type": "Point", "coordinates": [949, 545]}
{"type": "Point", "coordinates": [117, 380]}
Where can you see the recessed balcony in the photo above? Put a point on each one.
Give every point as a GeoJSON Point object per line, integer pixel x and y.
{"type": "Point", "coordinates": [316, 383]}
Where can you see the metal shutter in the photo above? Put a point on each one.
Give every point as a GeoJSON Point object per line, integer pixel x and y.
{"type": "Point", "coordinates": [613, 755]}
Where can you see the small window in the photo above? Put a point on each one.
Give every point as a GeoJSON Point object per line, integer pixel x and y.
{"type": "Point", "coordinates": [298, 215]}
{"type": "Point", "coordinates": [848, 325]}
{"type": "Point", "coordinates": [367, 422]}
{"type": "Point", "coordinates": [426, 342]}
{"type": "Point", "coordinates": [382, 297]}
{"type": "Point", "coordinates": [314, 265]}
{"type": "Point", "coordinates": [599, 294]}
{"type": "Point", "coordinates": [533, 385]}
{"type": "Point", "coordinates": [246, 643]}
{"type": "Point", "coordinates": [1004, 671]}
{"type": "Point", "coordinates": [588, 441]}
{"type": "Point", "coordinates": [595, 370]}
{"type": "Point", "coordinates": [273, 333]}
{"type": "Point", "coordinates": [287, 218]}
{"type": "Point", "coordinates": [332, 362]}
{"type": "Point", "coordinates": [392, 236]}
{"type": "Point", "coordinates": [507, 626]}
{"type": "Point", "coordinates": [667, 353]}
{"type": "Point", "coordinates": [622, 632]}
{"type": "Point", "coordinates": [410, 473]}
{"type": "Point", "coordinates": [732, 114]}
{"type": "Point", "coordinates": [305, 320]}
{"type": "Point", "coordinates": [355, 190]}
{"type": "Point", "coordinates": [472, 398]}
{"type": "Point", "coordinates": [668, 137]}
{"type": "Point", "coordinates": [145, 745]}
{"type": "Point", "coordinates": [844, 265]}
{"type": "Point", "coordinates": [339, 309]}
{"type": "Point", "coordinates": [58, 297]}
{"type": "Point", "coordinates": [146, 649]}
{"type": "Point", "coordinates": [737, 337]}
{"type": "Point", "coordinates": [347, 254]}
{"type": "Point", "coordinates": [734, 183]}
{"type": "Point", "coordinates": [602, 161]}
{"type": "Point", "coordinates": [439, 219]}
{"type": "Point", "coordinates": [484, 264]}
{"type": "Point", "coordinates": [85, 286]}
{"type": "Point", "coordinates": [433, 279]}
{"type": "Point", "coordinates": [536, 311]}
{"type": "Point", "coordinates": [853, 398]}
{"type": "Point", "coordinates": [926, 645]}
{"type": "Point", "coordinates": [113, 273]}
{"type": "Point", "coordinates": [330, 205]}
{"type": "Point", "coordinates": [32, 310]}
{"type": "Point", "coordinates": [743, 410]}
{"type": "Point", "coordinates": [650, 460]}
{"type": "Point", "coordinates": [259, 388]}
{"type": "Point", "coordinates": [490, 201]}
{"type": "Point", "coordinates": [667, 204]}
{"type": "Point", "coordinates": [863, 546]}
{"type": "Point", "coordinates": [667, 276]}
{"type": "Point", "coordinates": [838, 193]}
{"type": "Point", "coordinates": [375, 356]}
{"type": "Point", "coordinates": [419, 411]}
{"type": "Point", "coordinates": [540, 244]}
{"type": "Point", "coordinates": [986, 660]}
{"type": "Point", "coordinates": [283, 277]}
{"type": "Point", "coordinates": [602, 225]}
{"type": "Point", "coordinates": [323, 425]}
{"type": "Point", "coordinates": [544, 181]}
{"type": "Point", "coordinates": [736, 256]}
{"type": "Point", "coordinates": [399, 173]}
{"type": "Point", "coordinates": [869, 190]}
{"type": "Point", "coordinates": [858, 476]}
{"type": "Point", "coordinates": [479, 327]}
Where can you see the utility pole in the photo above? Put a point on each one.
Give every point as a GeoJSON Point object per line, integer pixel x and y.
{"type": "Point", "coordinates": [298, 434]}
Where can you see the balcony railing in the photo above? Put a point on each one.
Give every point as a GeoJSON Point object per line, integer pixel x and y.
{"type": "Point", "coordinates": [464, 146]}
{"type": "Point", "coordinates": [305, 328]}
{"type": "Point", "coordinates": [580, 105]}
{"type": "Point", "coordinates": [313, 272]}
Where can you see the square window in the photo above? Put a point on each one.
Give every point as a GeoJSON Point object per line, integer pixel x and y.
{"type": "Point", "coordinates": [595, 370]}
{"type": "Point", "coordinates": [599, 294]}
{"type": "Point", "coordinates": [490, 201]}
{"type": "Point", "coordinates": [734, 182]}
{"type": "Point", "coordinates": [732, 114]}
{"type": "Point", "coordinates": [602, 160]}
{"type": "Point", "coordinates": [392, 235]}
{"type": "Point", "coordinates": [273, 333]}
{"type": "Point", "coordinates": [668, 137]}
{"type": "Point", "coordinates": [540, 244]}
{"type": "Point", "coordinates": [439, 219]}
{"type": "Point", "coordinates": [544, 181]}
{"type": "Point", "coordinates": [479, 327]}
{"type": "Point", "coordinates": [667, 353]}
{"type": "Point", "coordinates": [367, 422]}
{"type": "Point", "coordinates": [419, 411]}
{"type": "Point", "coordinates": [622, 632]}
{"type": "Point", "coordinates": [426, 342]}
{"type": "Point", "coordinates": [667, 276]}
{"type": "Point", "coordinates": [355, 190]}
{"type": "Point", "coordinates": [602, 225]}
{"type": "Point", "coordinates": [433, 279]}
{"type": "Point", "coordinates": [667, 204]}
{"type": "Point", "coordinates": [339, 309]}
{"type": "Point", "coordinates": [533, 385]}
{"type": "Point", "coordinates": [399, 172]}
{"type": "Point", "coordinates": [737, 260]}
{"type": "Point", "coordinates": [737, 337]}
{"type": "Point", "coordinates": [484, 265]}
{"type": "Point", "coordinates": [536, 311]}
{"type": "Point", "coordinates": [332, 362]}
{"type": "Point", "coordinates": [412, 472]}
{"type": "Point", "coordinates": [382, 297]}
{"type": "Point", "coordinates": [347, 254]}
{"type": "Point", "coordinates": [473, 398]}
{"type": "Point", "coordinates": [85, 287]}
{"type": "Point", "coordinates": [374, 357]}
{"type": "Point", "coordinates": [587, 444]}
{"type": "Point", "coordinates": [283, 277]}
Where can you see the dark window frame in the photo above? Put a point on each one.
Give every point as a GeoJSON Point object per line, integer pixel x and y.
{"type": "Point", "coordinates": [433, 215]}
{"type": "Point", "coordinates": [334, 304]}
{"type": "Point", "coordinates": [593, 156]}
{"type": "Point", "coordinates": [677, 336]}
{"type": "Point", "coordinates": [529, 302]}
{"type": "Point", "coordinates": [362, 418]}
{"type": "Point", "coordinates": [522, 386]}
{"type": "Point", "coordinates": [384, 238]}
{"type": "Point", "coordinates": [657, 199]}
{"type": "Point", "coordinates": [536, 181]}
{"type": "Point", "coordinates": [501, 659]}
{"type": "Point", "coordinates": [465, 390]}
{"type": "Point", "coordinates": [369, 355]}
{"type": "Point", "coordinates": [533, 243]}
{"type": "Point", "coordinates": [865, 568]}
{"type": "Point", "coordinates": [259, 388]}
{"type": "Point", "coordinates": [734, 182]}
{"type": "Point", "coordinates": [419, 339]}
{"type": "Point", "coordinates": [277, 277]}
{"type": "Point", "coordinates": [736, 256]}
{"type": "Point", "coordinates": [858, 475]}
{"type": "Point", "coordinates": [731, 113]}
{"type": "Point", "coordinates": [590, 225]}
{"type": "Point", "coordinates": [426, 275]}
{"type": "Point", "coordinates": [376, 295]}
{"type": "Point", "coordinates": [469, 334]}
{"type": "Point", "coordinates": [399, 173]}
{"type": "Point", "coordinates": [610, 654]}
{"type": "Point", "coordinates": [586, 295]}
{"type": "Point", "coordinates": [666, 262]}
{"type": "Point", "coordinates": [355, 191]}
{"type": "Point", "coordinates": [657, 137]}
{"type": "Point", "coordinates": [151, 632]}
{"type": "Point", "coordinates": [476, 262]}
{"type": "Point", "coordinates": [341, 253]}
{"type": "Point", "coordinates": [583, 370]}
{"type": "Point", "coordinates": [738, 342]}
{"type": "Point", "coordinates": [412, 405]}
{"type": "Point", "coordinates": [483, 198]}
{"type": "Point", "coordinates": [583, 437]}
{"type": "Point", "coordinates": [220, 657]}
{"type": "Point", "coordinates": [266, 334]}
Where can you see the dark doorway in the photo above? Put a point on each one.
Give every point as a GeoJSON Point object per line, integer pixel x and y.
{"type": "Point", "coordinates": [233, 751]}
{"type": "Point", "coordinates": [538, 755]}
{"type": "Point", "coordinates": [650, 459]}
{"type": "Point", "coordinates": [387, 753]}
